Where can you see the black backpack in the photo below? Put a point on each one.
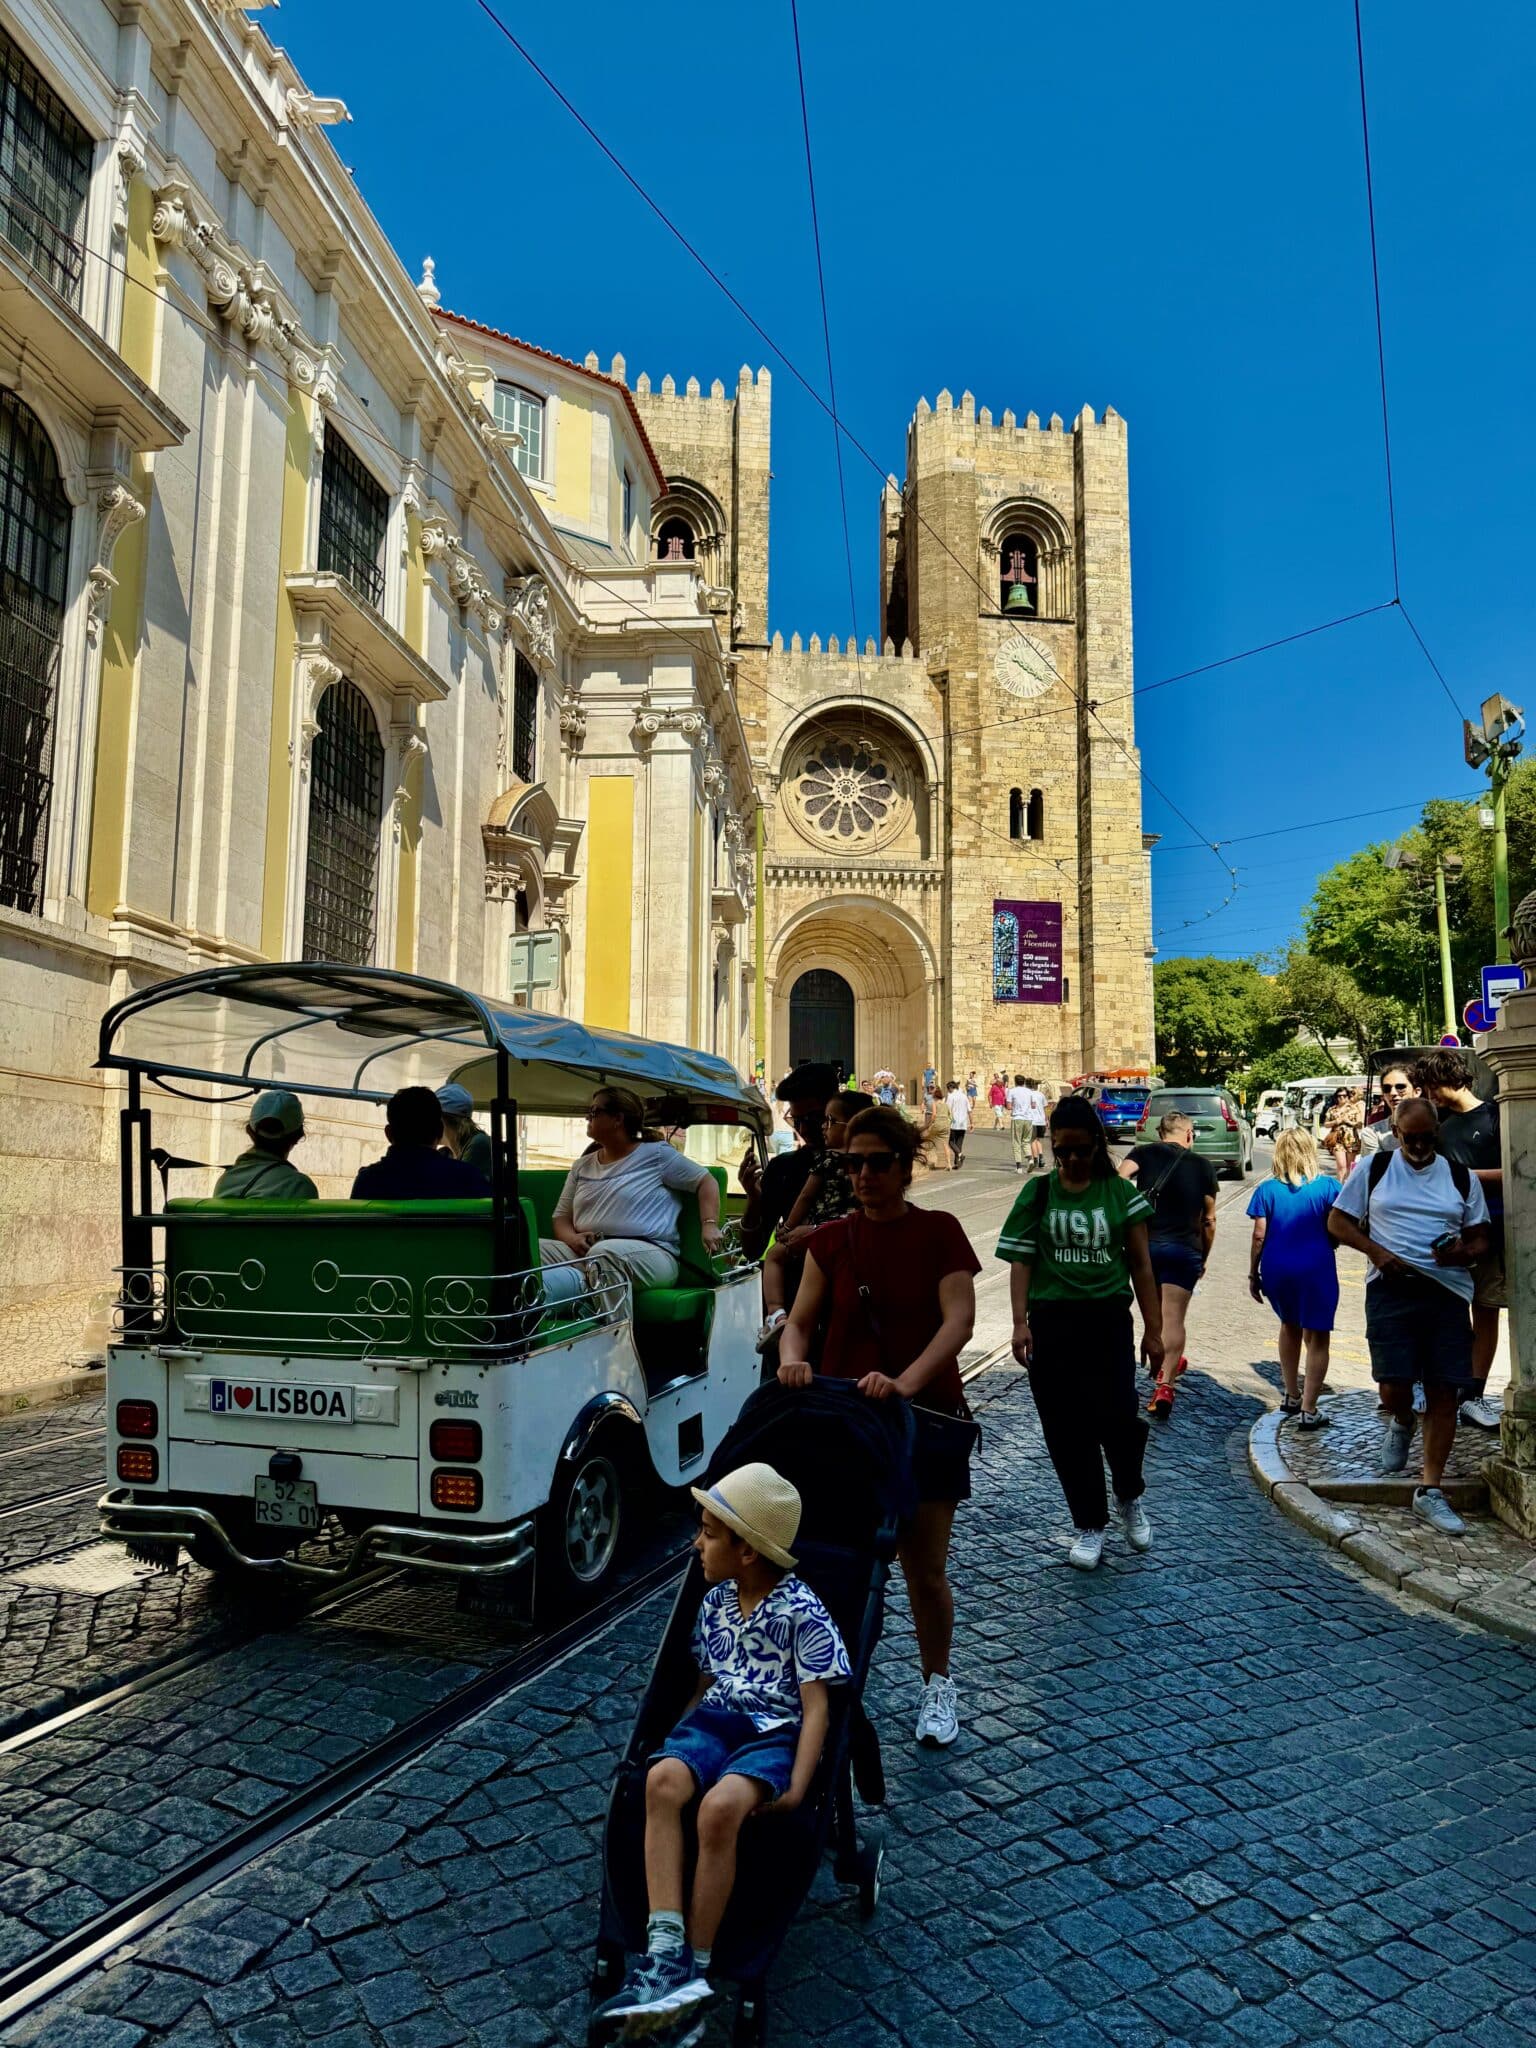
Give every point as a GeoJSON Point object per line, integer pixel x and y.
{"type": "Point", "coordinates": [1380, 1161]}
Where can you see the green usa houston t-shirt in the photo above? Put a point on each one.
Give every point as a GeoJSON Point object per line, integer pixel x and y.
{"type": "Point", "coordinates": [1075, 1243]}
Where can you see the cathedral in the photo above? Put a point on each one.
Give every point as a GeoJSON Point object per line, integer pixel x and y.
{"type": "Point", "coordinates": [954, 871]}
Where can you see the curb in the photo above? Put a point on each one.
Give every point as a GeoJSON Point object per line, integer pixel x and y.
{"type": "Point", "coordinates": [1375, 1554]}
{"type": "Point", "coordinates": [68, 1386]}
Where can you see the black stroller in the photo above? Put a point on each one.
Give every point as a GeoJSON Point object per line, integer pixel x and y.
{"type": "Point", "coordinates": [851, 1459]}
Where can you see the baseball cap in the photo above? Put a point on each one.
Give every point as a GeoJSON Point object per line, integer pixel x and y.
{"type": "Point", "coordinates": [454, 1100]}
{"type": "Point", "coordinates": [276, 1114]}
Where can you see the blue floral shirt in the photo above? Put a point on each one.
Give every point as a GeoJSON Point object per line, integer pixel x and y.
{"type": "Point", "coordinates": [759, 1661]}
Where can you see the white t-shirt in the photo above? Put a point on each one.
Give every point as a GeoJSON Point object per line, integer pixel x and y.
{"type": "Point", "coordinates": [959, 1109]}
{"type": "Point", "coordinates": [631, 1197]}
{"type": "Point", "coordinates": [1021, 1105]}
{"type": "Point", "coordinates": [1409, 1208]}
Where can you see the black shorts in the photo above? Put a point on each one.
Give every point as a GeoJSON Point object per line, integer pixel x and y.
{"type": "Point", "coordinates": [941, 1458]}
{"type": "Point", "coordinates": [1176, 1265]}
{"type": "Point", "coordinates": [1417, 1330]}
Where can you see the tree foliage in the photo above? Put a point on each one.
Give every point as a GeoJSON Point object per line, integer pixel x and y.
{"type": "Point", "coordinates": [1212, 1017]}
{"type": "Point", "coordinates": [1296, 1060]}
{"type": "Point", "coordinates": [1324, 1001]}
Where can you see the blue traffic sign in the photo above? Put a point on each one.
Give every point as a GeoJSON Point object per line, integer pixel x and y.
{"type": "Point", "coordinates": [1500, 981]}
{"type": "Point", "coordinates": [1476, 1018]}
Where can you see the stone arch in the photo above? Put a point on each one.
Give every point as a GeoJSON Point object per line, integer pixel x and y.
{"type": "Point", "coordinates": [690, 506]}
{"type": "Point", "coordinates": [851, 702]}
{"type": "Point", "coordinates": [888, 961]}
{"type": "Point", "coordinates": [881, 768]}
{"type": "Point", "coordinates": [1047, 540]}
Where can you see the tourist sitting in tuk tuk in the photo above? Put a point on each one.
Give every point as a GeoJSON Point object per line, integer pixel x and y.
{"type": "Point", "coordinates": [462, 1136]}
{"type": "Point", "coordinates": [621, 1199]}
{"type": "Point", "coordinates": [413, 1169]}
{"type": "Point", "coordinates": [263, 1172]}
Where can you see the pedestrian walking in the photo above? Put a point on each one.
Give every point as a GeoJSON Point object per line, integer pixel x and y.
{"type": "Point", "coordinates": [1077, 1242]}
{"type": "Point", "coordinates": [936, 1126]}
{"type": "Point", "coordinates": [1038, 1115]}
{"type": "Point", "coordinates": [958, 1102]}
{"type": "Point", "coordinates": [1021, 1120]}
{"type": "Point", "coordinates": [898, 1283]}
{"type": "Point", "coordinates": [1181, 1188]}
{"type": "Point", "coordinates": [973, 1091]}
{"type": "Point", "coordinates": [1291, 1265]}
{"type": "Point", "coordinates": [1421, 1221]}
{"type": "Point", "coordinates": [1469, 1133]}
{"type": "Point", "coordinates": [1344, 1121]}
{"type": "Point", "coordinates": [1378, 1135]}
{"type": "Point", "coordinates": [997, 1098]}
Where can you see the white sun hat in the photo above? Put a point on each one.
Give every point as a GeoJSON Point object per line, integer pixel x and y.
{"type": "Point", "coordinates": [762, 1508]}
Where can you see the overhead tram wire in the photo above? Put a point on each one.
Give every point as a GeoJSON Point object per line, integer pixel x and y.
{"type": "Point", "coordinates": [826, 333]}
{"type": "Point", "coordinates": [1083, 702]}
{"type": "Point", "coordinates": [1381, 362]}
{"type": "Point", "coordinates": [1312, 825]}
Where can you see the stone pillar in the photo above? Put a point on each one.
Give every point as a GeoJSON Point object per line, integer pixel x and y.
{"type": "Point", "coordinates": [1510, 1049]}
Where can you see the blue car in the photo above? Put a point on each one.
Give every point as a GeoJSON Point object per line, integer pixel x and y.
{"type": "Point", "coordinates": [1119, 1105]}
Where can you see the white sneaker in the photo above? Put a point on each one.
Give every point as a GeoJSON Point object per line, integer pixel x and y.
{"type": "Point", "coordinates": [1481, 1412]}
{"type": "Point", "coordinates": [1133, 1520]}
{"type": "Point", "coordinates": [1087, 1549]}
{"type": "Point", "coordinates": [1431, 1506]}
{"type": "Point", "coordinates": [1420, 1404]}
{"type": "Point", "coordinates": [937, 1721]}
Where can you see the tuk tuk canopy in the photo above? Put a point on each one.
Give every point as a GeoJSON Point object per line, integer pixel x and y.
{"type": "Point", "coordinates": [364, 1032]}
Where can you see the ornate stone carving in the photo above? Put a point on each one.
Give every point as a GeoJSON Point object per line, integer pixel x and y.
{"type": "Point", "coordinates": [426, 285]}
{"type": "Point", "coordinates": [311, 110]}
{"type": "Point", "coordinates": [412, 743]}
{"type": "Point", "coordinates": [117, 509]}
{"type": "Point", "coordinates": [693, 726]}
{"type": "Point", "coordinates": [241, 293]}
{"type": "Point", "coordinates": [643, 730]}
{"type": "Point", "coordinates": [321, 672]}
{"type": "Point", "coordinates": [465, 580]}
{"type": "Point", "coordinates": [528, 608]}
{"type": "Point", "coordinates": [300, 755]}
{"type": "Point", "coordinates": [573, 720]}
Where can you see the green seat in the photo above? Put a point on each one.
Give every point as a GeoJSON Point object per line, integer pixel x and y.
{"type": "Point", "coordinates": [384, 1278]}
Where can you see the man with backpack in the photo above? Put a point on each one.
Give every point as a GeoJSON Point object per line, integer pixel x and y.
{"type": "Point", "coordinates": [1182, 1190]}
{"type": "Point", "coordinates": [1421, 1220]}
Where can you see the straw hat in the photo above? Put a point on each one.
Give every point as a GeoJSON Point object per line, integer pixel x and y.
{"type": "Point", "coordinates": [762, 1508]}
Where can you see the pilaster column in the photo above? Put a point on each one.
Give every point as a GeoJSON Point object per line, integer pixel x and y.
{"type": "Point", "coordinates": [1510, 1049]}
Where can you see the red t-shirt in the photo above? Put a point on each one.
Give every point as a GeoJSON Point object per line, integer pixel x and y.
{"type": "Point", "coordinates": [901, 1264]}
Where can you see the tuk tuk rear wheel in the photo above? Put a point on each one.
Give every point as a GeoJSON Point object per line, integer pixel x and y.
{"type": "Point", "coordinates": [580, 1527]}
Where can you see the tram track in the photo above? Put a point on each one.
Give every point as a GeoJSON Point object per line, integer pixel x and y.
{"type": "Point", "coordinates": [50, 1500]}
{"type": "Point", "coordinates": [53, 1443]}
{"type": "Point", "coordinates": [115, 1931]}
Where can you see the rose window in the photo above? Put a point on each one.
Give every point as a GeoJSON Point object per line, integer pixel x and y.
{"type": "Point", "coordinates": [847, 791]}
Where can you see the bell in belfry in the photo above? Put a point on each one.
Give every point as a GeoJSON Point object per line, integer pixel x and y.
{"type": "Point", "coordinates": [1018, 580]}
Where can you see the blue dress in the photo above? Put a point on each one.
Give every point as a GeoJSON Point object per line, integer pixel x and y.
{"type": "Point", "coordinates": [1296, 1263]}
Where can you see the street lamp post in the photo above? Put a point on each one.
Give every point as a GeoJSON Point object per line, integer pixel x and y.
{"type": "Point", "coordinates": [1495, 748]}
{"type": "Point", "coordinates": [1445, 864]}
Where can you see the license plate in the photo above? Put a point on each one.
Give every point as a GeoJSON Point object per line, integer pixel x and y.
{"type": "Point", "coordinates": [280, 1400]}
{"type": "Point", "coordinates": [287, 1504]}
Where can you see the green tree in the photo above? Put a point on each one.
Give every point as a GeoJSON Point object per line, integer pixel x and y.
{"type": "Point", "coordinates": [1322, 999]}
{"type": "Point", "coordinates": [1212, 1016]}
{"type": "Point", "coordinates": [1297, 1060]}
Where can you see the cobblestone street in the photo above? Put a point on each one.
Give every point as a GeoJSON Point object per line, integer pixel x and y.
{"type": "Point", "coordinates": [1231, 1792]}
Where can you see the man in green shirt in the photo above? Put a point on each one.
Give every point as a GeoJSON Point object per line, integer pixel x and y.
{"type": "Point", "coordinates": [1077, 1242]}
{"type": "Point", "coordinates": [263, 1173]}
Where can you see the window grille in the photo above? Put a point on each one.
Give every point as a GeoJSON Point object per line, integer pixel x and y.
{"type": "Point", "coordinates": [346, 808]}
{"type": "Point", "coordinates": [354, 511]}
{"type": "Point", "coordinates": [45, 169]}
{"type": "Point", "coordinates": [523, 413]}
{"type": "Point", "coordinates": [525, 717]}
{"type": "Point", "coordinates": [34, 545]}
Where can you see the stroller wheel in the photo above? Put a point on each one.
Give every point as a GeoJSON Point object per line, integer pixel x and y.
{"type": "Point", "coordinates": [871, 1859]}
{"type": "Point", "coordinates": [751, 2018]}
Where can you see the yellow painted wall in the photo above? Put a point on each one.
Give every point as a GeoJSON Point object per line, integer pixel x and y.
{"type": "Point", "coordinates": [120, 641]}
{"type": "Point", "coordinates": [573, 464]}
{"type": "Point", "coordinates": [296, 460]}
{"type": "Point", "coordinates": [410, 816]}
{"type": "Point", "coordinates": [610, 886]}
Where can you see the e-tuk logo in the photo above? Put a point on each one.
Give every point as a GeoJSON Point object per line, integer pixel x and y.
{"type": "Point", "coordinates": [457, 1397]}
{"type": "Point", "coordinates": [319, 1404]}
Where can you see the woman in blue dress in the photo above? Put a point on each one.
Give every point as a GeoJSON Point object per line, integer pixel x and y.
{"type": "Point", "coordinates": [1291, 1266]}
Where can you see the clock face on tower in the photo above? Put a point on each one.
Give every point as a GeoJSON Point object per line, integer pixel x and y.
{"type": "Point", "coordinates": [1023, 667]}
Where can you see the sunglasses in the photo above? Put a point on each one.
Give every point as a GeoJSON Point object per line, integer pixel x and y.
{"type": "Point", "coordinates": [1397, 1087]}
{"type": "Point", "coordinates": [868, 1162]}
{"type": "Point", "coordinates": [1073, 1151]}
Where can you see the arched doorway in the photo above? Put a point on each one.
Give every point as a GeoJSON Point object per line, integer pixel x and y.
{"type": "Point", "coordinates": [821, 1019]}
{"type": "Point", "coordinates": [873, 952]}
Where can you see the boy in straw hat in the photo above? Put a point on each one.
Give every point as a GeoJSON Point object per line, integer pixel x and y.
{"type": "Point", "coordinates": [749, 1741]}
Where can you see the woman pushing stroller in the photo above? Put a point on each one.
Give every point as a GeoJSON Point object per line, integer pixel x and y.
{"type": "Point", "coordinates": [749, 1740]}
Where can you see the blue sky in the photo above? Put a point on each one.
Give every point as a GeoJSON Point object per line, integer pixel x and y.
{"type": "Point", "coordinates": [1159, 208]}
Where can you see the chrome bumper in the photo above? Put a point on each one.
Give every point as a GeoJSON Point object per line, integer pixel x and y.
{"type": "Point", "coordinates": [487, 1554]}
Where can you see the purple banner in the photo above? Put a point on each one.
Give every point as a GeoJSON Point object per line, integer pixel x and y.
{"type": "Point", "coordinates": [1026, 952]}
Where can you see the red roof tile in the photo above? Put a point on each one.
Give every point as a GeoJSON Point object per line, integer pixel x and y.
{"type": "Point", "coordinates": [532, 348]}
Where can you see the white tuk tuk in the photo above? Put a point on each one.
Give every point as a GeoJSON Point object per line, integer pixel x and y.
{"type": "Point", "coordinates": [302, 1389]}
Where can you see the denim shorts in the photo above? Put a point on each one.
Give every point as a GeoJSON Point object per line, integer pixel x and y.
{"type": "Point", "coordinates": [1417, 1330]}
{"type": "Point", "coordinates": [715, 1742]}
{"type": "Point", "coordinates": [1176, 1265]}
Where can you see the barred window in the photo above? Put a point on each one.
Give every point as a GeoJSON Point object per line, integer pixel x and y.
{"type": "Point", "coordinates": [34, 545]}
{"type": "Point", "coordinates": [346, 808]}
{"type": "Point", "coordinates": [525, 717]}
{"type": "Point", "coordinates": [522, 412]}
{"type": "Point", "coordinates": [354, 511]}
{"type": "Point", "coordinates": [45, 169]}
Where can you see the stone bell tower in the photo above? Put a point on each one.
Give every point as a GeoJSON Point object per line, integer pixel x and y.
{"type": "Point", "coordinates": [1005, 560]}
